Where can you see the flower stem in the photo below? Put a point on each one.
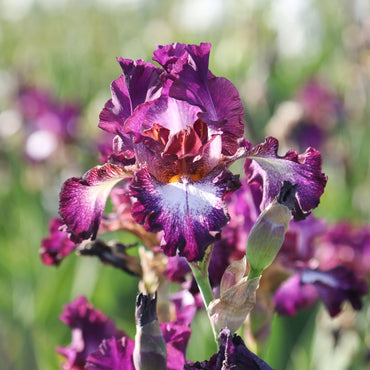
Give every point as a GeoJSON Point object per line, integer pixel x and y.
{"type": "Point", "coordinates": [200, 273]}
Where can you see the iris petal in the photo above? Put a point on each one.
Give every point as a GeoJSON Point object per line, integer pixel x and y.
{"type": "Point", "coordinates": [190, 213]}
{"type": "Point", "coordinates": [271, 170]}
{"type": "Point", "coordinates": [83, 199]}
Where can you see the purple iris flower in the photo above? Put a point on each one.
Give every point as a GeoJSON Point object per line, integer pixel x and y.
{"type": "Point", "coordinates": [178, 128]}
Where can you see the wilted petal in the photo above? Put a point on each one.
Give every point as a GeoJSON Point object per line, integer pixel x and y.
{"type": "Point", "coordinates": [57, 245]}
{"type": "Point", "coordinates": [190, 213]}
{"type": "Point", "coordinates": [112, 354]}
{"type": "Point", "coordinates": [89, 327]}
{"type": "Point", "coordinates": [270, 170]}
{"type": "Point", "coordinates": [82, 199]}
{"type": "Point", "coordinates": [336, 286]}
{"type": "Point", "coordinates": [292, 296]}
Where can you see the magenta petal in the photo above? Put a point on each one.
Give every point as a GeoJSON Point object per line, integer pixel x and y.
{"type": "Point", "coordinates": [112, 354]}
{"type": "Point", "coordinates": [218, 98]}
{"type": "Point", "coordinates": [57, 245]}
{"type": "Point", "coordinates": [82, 199]}
{"type": "Point", "coordinates": [185, 306]}
{"type": "Point", "coordinates": [229, 110]}
{"type": "Point", "coordinates": [89, 327]}
{"type": "Point", "coordinates": [139, 82]}
{"type": "Point", "coordinates": [190, 213]}
{"type": "Point", "coordinates": [270, 171]}
{"type": "Point", "coordinates": [292, 296]}
{"type": "Point", "coordinates": [176, 337]}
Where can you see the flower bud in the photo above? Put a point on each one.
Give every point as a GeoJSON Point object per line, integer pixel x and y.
{"type": "Point", "coordinates": [150, 347]}
{"type": "Point", "coordinates": [237, 298]}
{"type": "Point", "coordinates": [267, 234]}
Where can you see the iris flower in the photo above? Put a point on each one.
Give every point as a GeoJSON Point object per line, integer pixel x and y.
{"type": "Point", "coordinates": [177, 129]}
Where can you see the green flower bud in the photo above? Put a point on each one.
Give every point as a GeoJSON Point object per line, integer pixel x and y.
{"type": "Point", "coordinates": [268, 233]}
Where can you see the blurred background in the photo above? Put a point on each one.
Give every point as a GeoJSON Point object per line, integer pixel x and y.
{"type": "Point", "coordinates": [66, 50]}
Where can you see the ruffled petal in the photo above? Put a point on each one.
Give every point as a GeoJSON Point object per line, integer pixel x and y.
{"type": "Point", "coordinates": [190, 213]}
{"type": "Point", "coordinates": [82, 199]}
{"type": "Point", "coordinates": [187, 66]}
{"type": "Point", "coordinates": [270, 170]}
{"type": "Point", "coordinates": [138, 83]}
{"type": "Point", "coordinates": [112, 354]}
{"type": "Point", "coordinates": [174, 115]}
{"type": "Point", "coordinates": [57, 245]}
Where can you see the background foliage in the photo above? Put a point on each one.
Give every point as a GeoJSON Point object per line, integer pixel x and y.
{"type": "Point", "coordinates": [268, 49]}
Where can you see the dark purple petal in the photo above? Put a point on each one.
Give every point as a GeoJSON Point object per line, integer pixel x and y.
{"type": "Point", "coordinates": [346, 244]}
{"type": "Point", "coordinates": [112, 354]}
{"type": "Point", "coordinates": [139, 81]}
{"type": "Point", "coordinates": [176, 337]}
{"type": "Point", "coordinates": [299, 243]}
{"type": "Point", "coordinates": [336, 286]}
{"type": "Point", "coordinates": [57, 245]}
{"type": "Point", "coordinates": [82, 199]}
{"type": "Point", "coordinates": [292, 296]}
{"type": "Point", "coordinates": [89, 327]}
{"type": "Point", "coordinates": [233, 354]}
{"type": "Point", "coordinates": [270, 170]}
{"type": "Point", "coordinates": [190, 213]}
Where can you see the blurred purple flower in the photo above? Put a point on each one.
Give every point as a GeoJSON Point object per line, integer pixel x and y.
{"type": "Point", "coordinates": [97, 344]}
{"type": "Point", "coordinates": [292, 296]}
{"type": "Point", "coordinates": [89, 327]}
{"type": "Point", "coordinates": [112, 354]}
{"type": "Point", "coordinates": [345, 244]}
{"type": "Point", "coordinates": [57, 245]}
{"type": "Point", "coordinates": [336, 286]}
{"type": "Point", "coordinates": [49, 123]}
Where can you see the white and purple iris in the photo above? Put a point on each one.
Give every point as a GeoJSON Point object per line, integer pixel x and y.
{"type": "Point", "coordinates": [178, 128]}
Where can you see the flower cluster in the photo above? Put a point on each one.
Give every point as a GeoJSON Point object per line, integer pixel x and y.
{"type": "Point", "coordinates": [176, 128]}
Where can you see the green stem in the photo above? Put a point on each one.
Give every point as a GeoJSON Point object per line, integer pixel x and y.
{"type": "Point", "coordinates": [203, 284]}
{"type": "Point", "coordinates": [200, 273]}
{"type": "Point", "coordinates": [254, 273]}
